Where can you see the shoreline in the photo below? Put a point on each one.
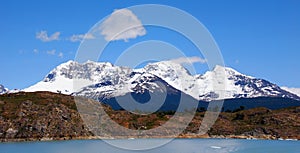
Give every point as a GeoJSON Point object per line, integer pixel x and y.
{"type": "Point", "coordinates": [264, 137]}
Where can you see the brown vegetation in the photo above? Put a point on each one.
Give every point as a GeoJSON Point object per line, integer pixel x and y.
{"type": "Point", "coordinates": [50, 116]}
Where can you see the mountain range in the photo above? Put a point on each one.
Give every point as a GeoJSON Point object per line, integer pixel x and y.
{"type": "Point", "coordinates": [103, 80]}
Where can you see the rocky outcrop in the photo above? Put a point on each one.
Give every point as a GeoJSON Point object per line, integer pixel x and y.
{"type": "Point", "coordinates": [39, 116]}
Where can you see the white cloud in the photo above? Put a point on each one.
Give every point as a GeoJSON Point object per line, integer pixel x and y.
{"type": "Point", "coordinates": [51, 52]}
{"type": "Point", "coordinates": [43, 36]}
{"type": "Point", "coordinates": [122, 24]}
{"type": "Point", "coordinates": [60, 55]}
{"type": "Point", "coordinates": [80, 37]}
{"type": "Point", "coordinates": [36, 51]}
{"type": "Point", "coordinates": [184, 60]}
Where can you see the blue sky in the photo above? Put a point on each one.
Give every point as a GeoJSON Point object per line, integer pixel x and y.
{"type": "Point", "coordinates": [258, 38]}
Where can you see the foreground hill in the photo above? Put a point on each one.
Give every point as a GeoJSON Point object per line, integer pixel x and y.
{"type": "Point", "coordinates": [51, 116]}
{"type": "Point", "coordinates": [31, 116]}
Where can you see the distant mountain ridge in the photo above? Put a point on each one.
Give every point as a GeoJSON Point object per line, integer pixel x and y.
{"type": "Point", "coordinates": [3, 90]}
{"type": "Point", "coordinates": [102, 80]}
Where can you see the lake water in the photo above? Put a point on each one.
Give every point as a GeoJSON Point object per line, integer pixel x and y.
{"type": "Point", "coordinates": [175, 146]}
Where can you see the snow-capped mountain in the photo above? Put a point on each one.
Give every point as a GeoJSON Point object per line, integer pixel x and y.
{"type": "Point", "coordinates": [104, 80]}
{"type": "Point", "coordinates": [71, 77]}
{"type": "Point", "coordinates": [220, 83]}
{"type": "Point", "coordinates": [3, 90]}
{"type": "Point", "coordinates": [292, 90]}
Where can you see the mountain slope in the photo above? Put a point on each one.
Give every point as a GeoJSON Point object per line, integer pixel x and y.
{"type": "Point", "coordinates": [3, 90]}
{"type": "Point", "coordinates": [104, 80]}
{"type": "Point", "coordinates": [292, 90]}
{"type": "Point", "coordinates": [71, 76]}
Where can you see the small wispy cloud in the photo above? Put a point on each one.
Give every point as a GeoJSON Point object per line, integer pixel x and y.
{"type": "Point", "coordinates": [21, 51]}
{"type": "Point", "coordinates": [51, 52]}
{"type": "Point", "coordinates": [36, 51]}
{"type": "Point", "coordinates": [189, 60]}
{"type": "Point", "coordinates": [80, 37]}
{"type": "Point", "coordinates": [122, 24]}
{"type": "Point", "coordinates": [43, 36]}
{"type": "Point", "coordinates": [60, 55]}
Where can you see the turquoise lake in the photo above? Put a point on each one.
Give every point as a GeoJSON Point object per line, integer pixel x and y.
{"type": "Point", "coordinates": [174, 146]}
